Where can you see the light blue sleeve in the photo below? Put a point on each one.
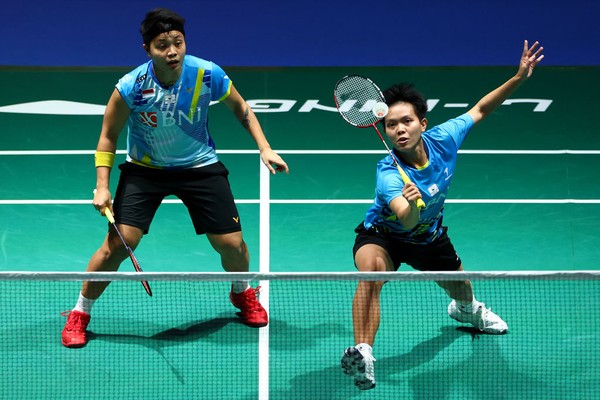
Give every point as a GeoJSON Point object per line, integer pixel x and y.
{"type": "Point", "coordinates": [125, 88]}
{"type": "Point", "coordinates": [220, 84]}
{"type": "Point", "coordinates": [127, 84]}
{"type": "Point", "coordinates": [389, 185]}
{"type": "Point", "coordinates": [457, 128]}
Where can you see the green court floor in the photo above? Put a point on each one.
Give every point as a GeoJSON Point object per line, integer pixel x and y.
{"type": "Point", "coordinates": [526, 196]}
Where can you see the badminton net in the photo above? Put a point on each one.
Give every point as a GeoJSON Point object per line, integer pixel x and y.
{"type": "Point", "coordinates": [186, 341]}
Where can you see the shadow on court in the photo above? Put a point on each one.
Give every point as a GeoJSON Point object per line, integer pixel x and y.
{"type": "Point", "coordinates": [485, 375]}
{"type": "Point", "coordinates": [193, 332]}
{"type": "Point", "coordinates": [197, 331]}
{"type": "Point", "coordinates": [330, 383]}
{"type": "Point", "coordinates": [284, 336]}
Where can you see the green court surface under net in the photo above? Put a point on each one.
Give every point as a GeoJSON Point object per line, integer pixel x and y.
{"type": "Point", "coordinates": [187, 343]}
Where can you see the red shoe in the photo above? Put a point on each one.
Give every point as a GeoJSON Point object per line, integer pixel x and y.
{"type": "Point", "coordinates": [74, 334]}
{"type": "Point", "coordinates": [251, 311]}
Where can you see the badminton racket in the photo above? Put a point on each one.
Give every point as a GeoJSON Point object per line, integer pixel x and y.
{"type": "Point", "coordinates": [361, 103]}
{"type": "Point", "coordinates": [134, 260]}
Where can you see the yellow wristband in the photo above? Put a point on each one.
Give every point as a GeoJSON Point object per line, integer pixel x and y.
{"type": "Point", "coordinates": [104, 159]}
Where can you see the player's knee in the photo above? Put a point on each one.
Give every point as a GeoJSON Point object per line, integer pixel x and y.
{"type": "Point", "coordinates": [113, 250]}
{"type": "Point", "coordinates": [231, 247]}
{"type": "Point", "coordinates": [370, 258]}
{"type": "Point", "coordinates": [372, 264]}
{"type": "Point", "coordinates": [370, 288]}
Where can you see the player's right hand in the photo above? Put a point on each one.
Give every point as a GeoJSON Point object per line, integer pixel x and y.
{"type": "Point", "coordinates": [102, 199]}
{"type": "Point", "coordinates": [411, 192]}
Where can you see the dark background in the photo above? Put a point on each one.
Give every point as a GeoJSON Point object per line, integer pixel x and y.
{"type": "Point", "coordinates": [306, 33]}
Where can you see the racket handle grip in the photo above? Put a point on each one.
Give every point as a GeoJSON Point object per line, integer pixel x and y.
{"type": "Point", "coordinates": [109, 215]}
{"type": "Point", "coordinates": [406, 179]}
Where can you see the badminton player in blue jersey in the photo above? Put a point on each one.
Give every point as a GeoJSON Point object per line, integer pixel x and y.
{"type": "Point", "coordinates": [396, 231]}
{"type": "Point", "coordinates": [164, 104]}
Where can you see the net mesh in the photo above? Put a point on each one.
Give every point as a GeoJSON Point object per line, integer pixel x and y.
{"type": "Point", "coordinates": [186, 342]}
{"type": "Point", "coordinates": [355, 96]}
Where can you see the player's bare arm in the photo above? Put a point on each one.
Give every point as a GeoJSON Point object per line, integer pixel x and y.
{"type": "Point", "coordinates": [115, 117]}
{"type": "Point", "coordinates": [243, 112]}
{"type": "Point", "coordinates": [405, 206]}
{"type": "Point", "coordinates": [530, 57]}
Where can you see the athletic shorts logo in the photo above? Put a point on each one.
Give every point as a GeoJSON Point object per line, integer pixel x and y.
{"type": "Point", "coordinates": [149, 119]}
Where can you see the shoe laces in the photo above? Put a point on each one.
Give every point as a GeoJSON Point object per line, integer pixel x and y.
{"type": "Point", "coordinates": [484, 312]}
{"type": "Point", "coordinates": [74, 320]}
{"type": "Point", "coordinates": [250, 300]}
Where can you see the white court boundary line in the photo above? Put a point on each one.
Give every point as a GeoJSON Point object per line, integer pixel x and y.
{"type": "Point", "coordinates": [264, 238]}
{"type": "Point", "coordinates": [266, 198]}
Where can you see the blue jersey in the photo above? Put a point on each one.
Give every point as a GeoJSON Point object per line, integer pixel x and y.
{"type": "Point", "coordinates": [433, 180]}
{"type": "Point", "coordinates": [168, 127]}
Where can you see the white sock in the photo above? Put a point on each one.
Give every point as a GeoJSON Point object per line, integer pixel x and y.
{"type": "Point", "coordinates": [365, 348]}
{"type": "Point", "coordinates": [470, 307]}
{"type": "Point", "coordinates": [84, 304]}
{"type": "Point", "coordinates": [239, 286]}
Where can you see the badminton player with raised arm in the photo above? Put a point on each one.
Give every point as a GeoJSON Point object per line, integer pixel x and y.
{"type": "Point", "coordinates": [396, 231]}
{"type": "Point", "coordinates": [164, 104]}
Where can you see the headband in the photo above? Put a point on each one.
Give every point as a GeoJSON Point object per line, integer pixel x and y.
{"type": "Point", "coordinates": [162, 27]}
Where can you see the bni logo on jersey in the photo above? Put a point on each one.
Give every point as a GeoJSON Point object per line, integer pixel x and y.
{"type": "Point", "coordinates": [149, 119]}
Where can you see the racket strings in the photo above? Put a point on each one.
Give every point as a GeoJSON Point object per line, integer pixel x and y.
{"type": "Point", "coordinates": [355, 97]}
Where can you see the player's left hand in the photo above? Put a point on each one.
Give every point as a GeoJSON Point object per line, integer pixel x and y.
{"type": "Point", "coordinates": [529, 59]}
{"type": "Point", "coordinates": [273, 161]}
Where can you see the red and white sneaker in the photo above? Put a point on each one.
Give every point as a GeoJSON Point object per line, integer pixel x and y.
{"type": "Point", "coordinates": [74, 333]}
{"type": "Point", "coordinates": [251, 311]}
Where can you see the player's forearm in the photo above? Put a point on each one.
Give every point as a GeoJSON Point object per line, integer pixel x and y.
{"type": "Point", "coordinates": [251, 124]}
{"type": "Point", "coordinates": [406, 211]}
{"type": "Point", "coordinates": [102, 177]}
{"type": "Point", "coordinates": [496, 97]}
{"type": "Point", "coordinates": [411, 217]}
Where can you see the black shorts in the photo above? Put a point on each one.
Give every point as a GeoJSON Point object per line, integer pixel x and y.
{"type": "Point", "coordinates": [205, 191]}
{"type": "Point", "coordinates": [436, 256]}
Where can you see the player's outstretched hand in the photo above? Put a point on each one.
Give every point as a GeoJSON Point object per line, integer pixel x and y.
{"type": "Point", "coordinates": [529, 59]}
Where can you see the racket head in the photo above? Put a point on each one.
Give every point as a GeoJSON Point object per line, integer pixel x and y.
{"type": "Point", "coordinates": [355, 97]}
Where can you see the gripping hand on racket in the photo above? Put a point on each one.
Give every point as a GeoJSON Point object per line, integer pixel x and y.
{"type": "Point", "coordinates": [102, 200]}
{"type": "Point", "coordinates": [411, 193]}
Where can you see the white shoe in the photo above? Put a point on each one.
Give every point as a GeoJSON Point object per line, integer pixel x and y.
{"type": "Point", "coordinates": [359, 364]}
{"type": "Point", "coordinates": [482, 318]}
